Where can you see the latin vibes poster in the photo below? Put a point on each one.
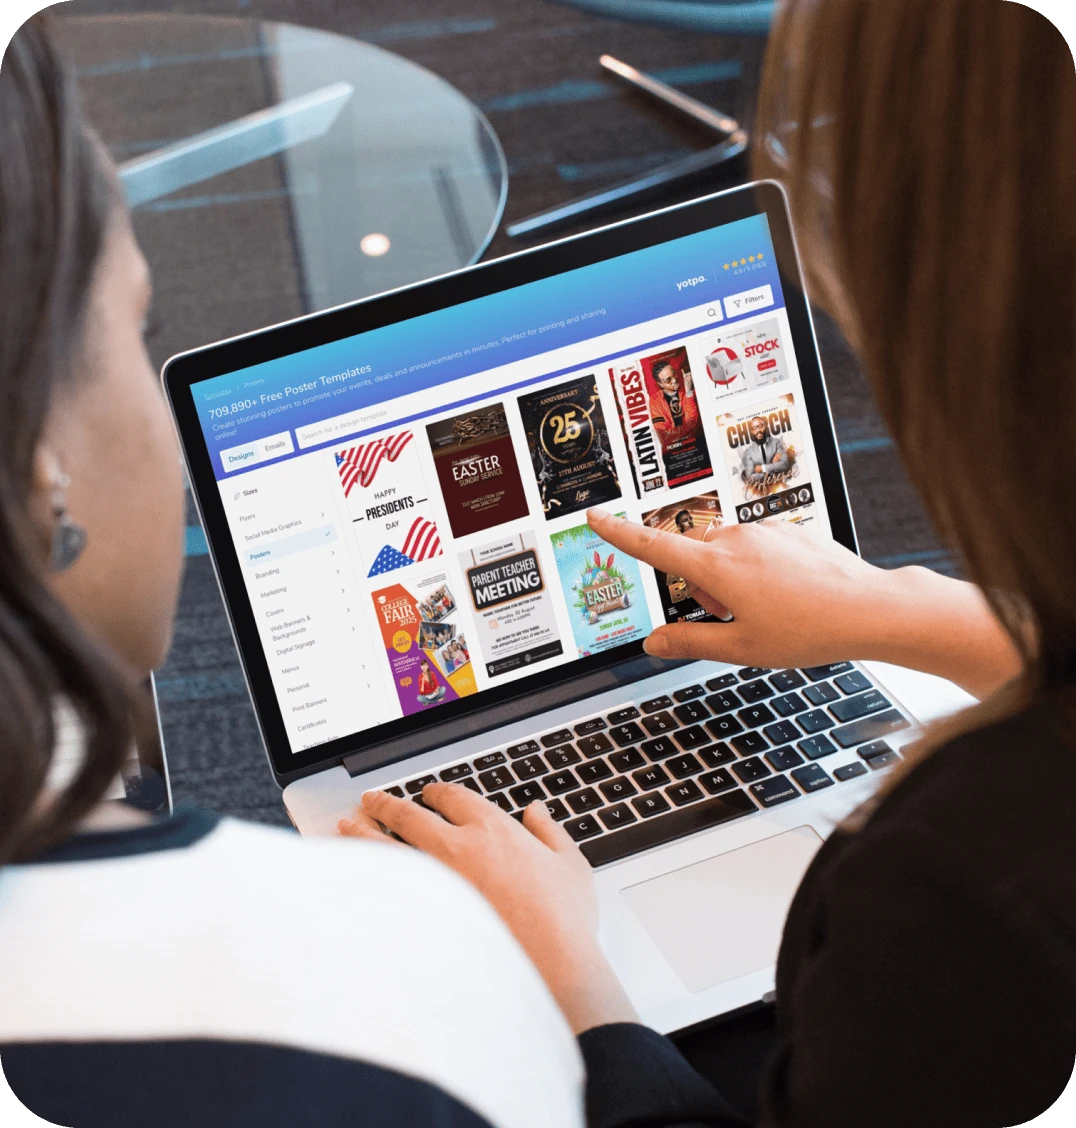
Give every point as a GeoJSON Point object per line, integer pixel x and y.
{"type": "Point", "coordinates": [603, 588]}
{"type": "Point", "coordinates": [428, 653]}
{"type": "Point", "coordinates": [476, 466]}
{"type": "Point", "coordinates": [389, 503]}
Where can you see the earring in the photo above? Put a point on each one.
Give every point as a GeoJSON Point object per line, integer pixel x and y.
{"type": "Point", "coordinates": [68, 539]}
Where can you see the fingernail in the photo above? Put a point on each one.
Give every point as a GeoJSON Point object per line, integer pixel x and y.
{"type": "Point", "coordinates": [656, 645]}
{"type": "Point", "coordinates": [598, 514]}
{"type": "Point", "coordinates": [371, 798]}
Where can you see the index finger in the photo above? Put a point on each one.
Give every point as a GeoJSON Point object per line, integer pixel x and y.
{"type": "Point", "coordinates": [668, 552]}
{"type": "Point", "coordinates": [411, 822]}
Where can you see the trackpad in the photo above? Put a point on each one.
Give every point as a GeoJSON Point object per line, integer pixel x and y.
{"type": "Point", "coordinates": [722, 918]}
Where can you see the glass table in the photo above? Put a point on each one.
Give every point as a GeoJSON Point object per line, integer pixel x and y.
{"type": "Point", "coordinates": [274, 170]}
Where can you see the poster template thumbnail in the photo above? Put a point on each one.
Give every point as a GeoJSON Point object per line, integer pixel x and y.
{"type": "Point", "coordinates": [659, 414]}
{"type": "Point", "coordinates": [744, 359]}
{"type": "Point", "coordinates": [517, 625]}
{"type": "Point", "coordinates": [476, 466]}
{"type": "Point", "coordinates": [767, 462]}
{"type": "Point", "coordinates": [690, 518]}
{"type": "Point", "coordinates": [569, 447]}
{"type": "Point", "coordinates": [603, 590]}
{"type": "Point", "coordinates": [389, 503]}
{"type": "Point", "coordinates": [427, 651]}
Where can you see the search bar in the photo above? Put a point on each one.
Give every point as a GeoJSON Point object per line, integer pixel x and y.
{"type": "Point", "coordinates": [340, 426]}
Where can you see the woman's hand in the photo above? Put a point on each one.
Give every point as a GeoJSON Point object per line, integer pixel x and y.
{"type": "Point", "coordinates": [533, 875]}
{"type": "Point", "coordinates": [802, 600]}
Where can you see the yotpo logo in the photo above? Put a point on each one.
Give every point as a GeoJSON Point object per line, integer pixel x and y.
{"type": "Point", "coordinates": [691, 282]}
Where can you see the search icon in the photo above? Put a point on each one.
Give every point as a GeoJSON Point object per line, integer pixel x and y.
{"type": "Point", "coordinates": [711, 312]}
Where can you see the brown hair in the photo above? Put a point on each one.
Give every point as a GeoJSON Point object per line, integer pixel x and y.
{"type": "Point", "coordinates": [929, 151]}
{"type": "Point", "coordinates": [56, 205]}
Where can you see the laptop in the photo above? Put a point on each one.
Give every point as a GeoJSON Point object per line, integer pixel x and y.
{"type": "Point", "coordinates": [394, 494]}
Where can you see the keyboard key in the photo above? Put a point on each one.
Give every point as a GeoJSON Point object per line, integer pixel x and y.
{"type": "Point", "coordinates": [649, 778]}
{"type": "Point", "coordinates": [691, 738]}
{"type": "Point", "coordinates": [784, 732]}
{"type": "Point", "coordinates": [756, 716]}
{"type": "Point", "coordinates": [849, 771]}
{"type": "Point", "coordinates": [489, 761]}
{"type": "Point", "coordinates": [527, 748]}
{"type": "Point", "coordinates": [557, 810]}
{"type": "Point", "coordinates": [471, 783]}
{"type": "Point", "coordinates": [594, 771]}
{"type": "Point", "coordinates": [561, 782]}
{"type": "Point", "coordinates": [721, 728]}
{"type": "Point", "coordinates": [692, 713]}
{"type": "Point", "coordinates": [562, 757]}
{"type": "Point", "coordinates": [616, 789]}
{"type": "Point", "coordinates": [496, 779]}
{"type": "Point", "coordinates": [755, 691]}
{"type": "Point", "coordinates": [718, 782]}
{"type": "Point", "coordinates": [588, 728]}
{"type": "Point", "coordinates": [773, 792]}
{"type": "Point", "coordinates": [530, 767]}
{"type": "Point", "coordinates": [747, 771]}
{"type": "Point", "coordinates": [689, 693]}
{"type": "Point", "coordinates": [811, 778]}
{"type": "Point", "coordinates": [456, 772]}
{"type": "Point", "coordinates": [878, 748]}
{"type": "Point", "coordinates": [815, 721]}
{"type": "Point", "coordinates": [789, 705]}
{"type": "Point", "coordinates": [876, 763]}
{"type": "Point", "coordinates": [585, 800]}
{"type": "Point", "coordinates": [783, 759]}
{"type": "Point", "coordinates": [749, 673]}
{"type": "Point", "coordinates": [656, 705]}
{"type": "Point", "coordinates": [717, 756]}
{"type": "Point", "coordinates": [660, 749]}
{"type": "Point", "coordinates": [723, 702]}
{"type": "Point", "coordinates": [618, 816]}
{"type": "Point", "coordinates": [786, 680]}
{"type": "Point", "coordinates": [627, 760]}
{"type": "Point", "coordinates": [501, 800]}
{"type": "Point", "coordinates": [820, 673]}
{"type": "Point", "coordinates": [526, 793]}
{"type": "Point", "coordinates": [397, 791]}
{"type": "Point", "coordinates": [725, 681]}
{"type": "Point", "coordinates": [419, 801]}
{"type": "Point", "coordinates": [820, 695]}
{"type": "Point", "coordinates": [676, 824]}
{"type": "Point", "coordinates": [683, 766]}
{"type": "Point", "coordinates": [870, 728]}
{"type": "Point", "coordinates": [582, 829]}
{"type": "Point", "coordinates": [660, 723]}
{"type": "Point", "coordinates": [683, 793]}
{"type": "Point", "coordinates": [853, 683]}
{"type": "Point", "coordinates": [864, 705]}
{"type": "Point", "coordinates": [650, 805]}
{"type": "Point", "coordinates": [518, 816]}
{"type": "Point", "coordinates": [414, 786]}
{"type": "Point", "coordinates": [751, 744]}
{"type": "Point", "coordinates": [627, 734]}
{"type": "Point", "coordinates": [622, 716]}
{"type": "Point", "coordinates": [817, 747]}
{"type": "Point", "coordinates": [594, 745]}
{"type": "Point", "coordinates": [561, 736]}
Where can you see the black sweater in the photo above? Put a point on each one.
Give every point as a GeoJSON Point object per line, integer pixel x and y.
{"type": "Point", "coordinates": [927, 974]}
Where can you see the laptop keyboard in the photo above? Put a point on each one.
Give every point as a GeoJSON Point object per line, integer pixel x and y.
{"type": "Point", "coordinates": [645, 774]}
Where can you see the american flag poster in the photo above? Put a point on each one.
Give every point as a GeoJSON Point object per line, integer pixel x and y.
{"type": "Point", "coordinates": [386, 493]}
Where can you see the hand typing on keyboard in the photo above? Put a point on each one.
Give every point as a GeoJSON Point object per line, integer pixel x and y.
{"type": "Point", "coordinates": [531, 872]}
{"type": "Point", "coordinates": [802, 600]}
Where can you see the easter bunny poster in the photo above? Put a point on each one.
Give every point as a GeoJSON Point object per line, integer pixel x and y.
{"type": "Point", "coordinates": [603, 589]}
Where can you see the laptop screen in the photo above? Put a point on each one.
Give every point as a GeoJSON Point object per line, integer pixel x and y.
{"type": "Point", "coordinates": [408, 505]}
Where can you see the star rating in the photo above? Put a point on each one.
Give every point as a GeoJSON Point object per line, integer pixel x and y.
{"type": "Point", "coordinates": [743, 262]}
{"type": "Point", "coordinates": [726, 266]}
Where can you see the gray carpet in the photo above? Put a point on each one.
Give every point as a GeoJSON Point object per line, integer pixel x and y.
{"type": "Point", "coordinates": [532, 66]}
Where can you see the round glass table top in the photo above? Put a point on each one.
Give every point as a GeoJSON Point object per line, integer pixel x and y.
{"type": "Point", "coordinates": [274, 170]}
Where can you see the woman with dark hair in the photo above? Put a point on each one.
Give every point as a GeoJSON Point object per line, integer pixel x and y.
{"type": "Point", "coordinates": [188, 970]}
{"type": "Point", "coordinates": [927, 974]}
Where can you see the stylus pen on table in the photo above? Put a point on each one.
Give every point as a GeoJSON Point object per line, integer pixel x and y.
{"type": "Point", "coordinates": [736, 143]}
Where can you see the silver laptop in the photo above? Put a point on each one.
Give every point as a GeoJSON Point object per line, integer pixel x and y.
{"type": "Point", "coordinates": [394, 495]}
